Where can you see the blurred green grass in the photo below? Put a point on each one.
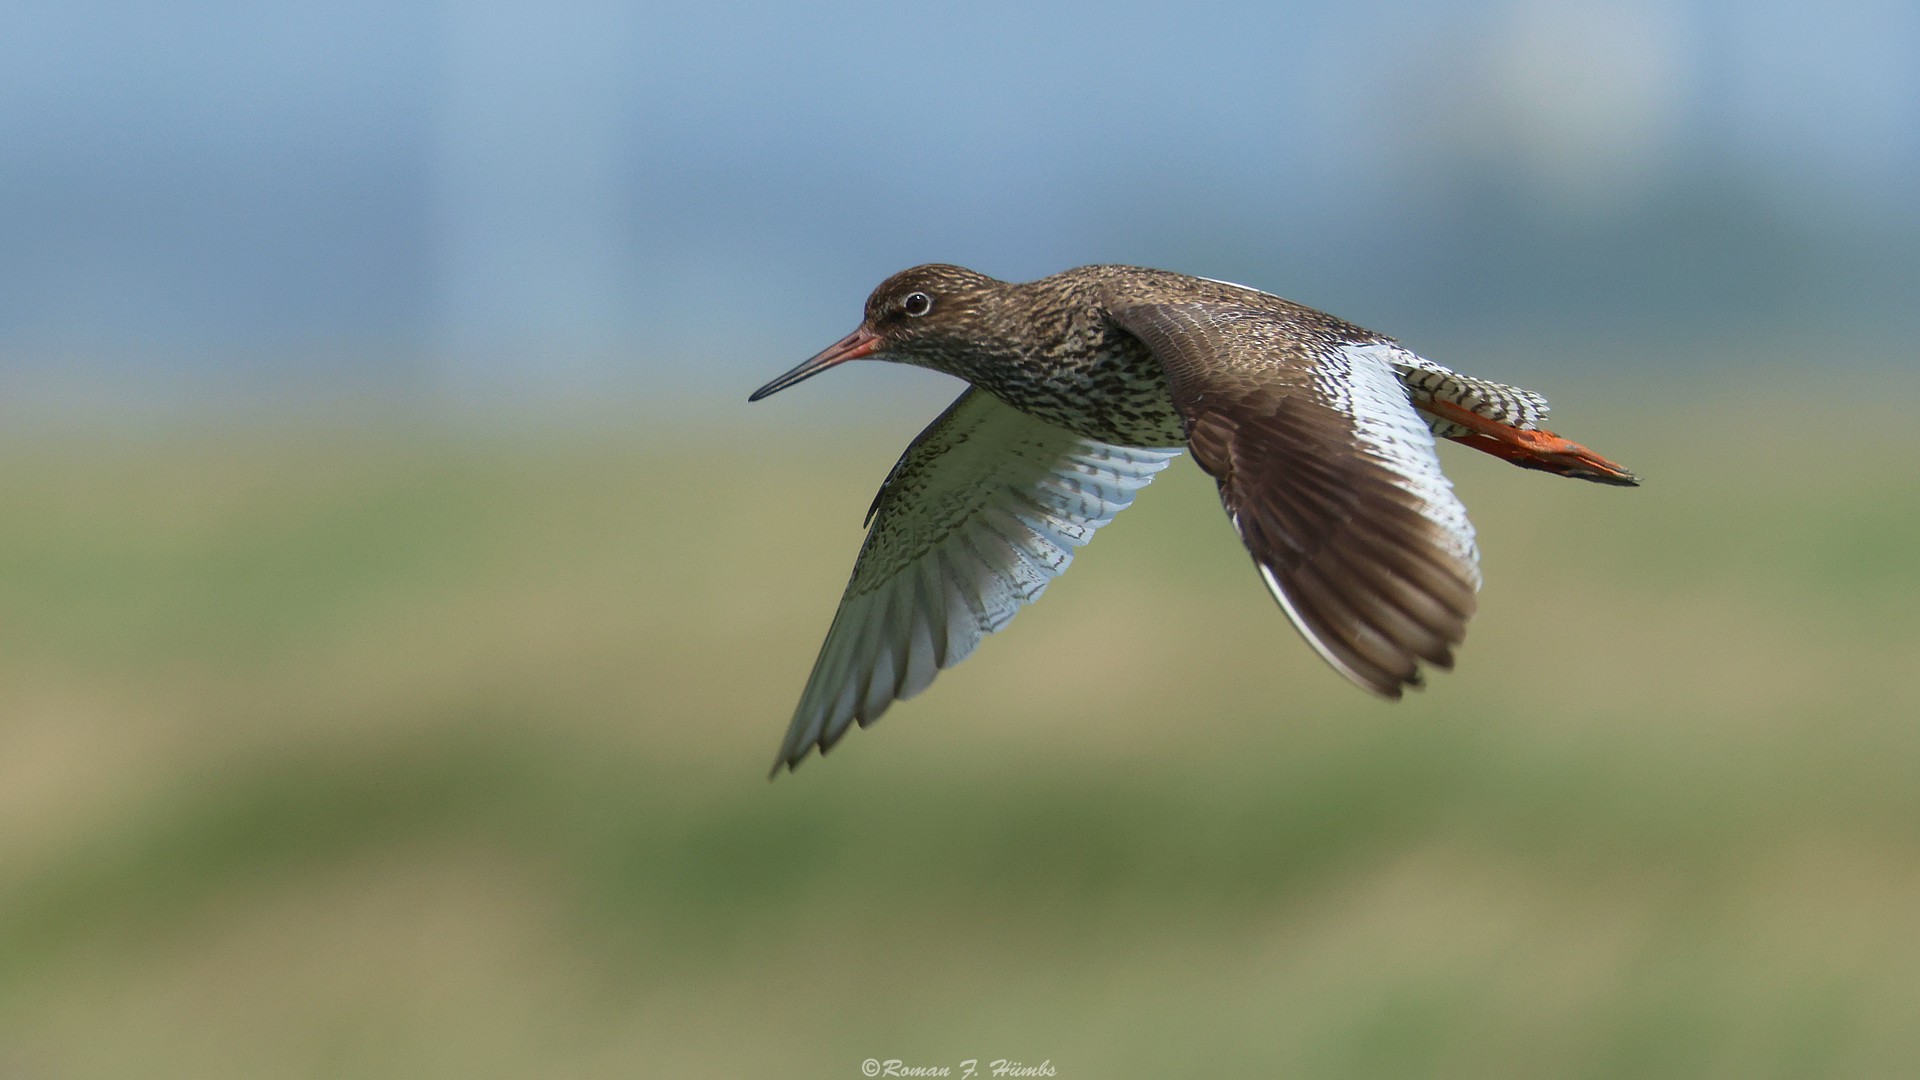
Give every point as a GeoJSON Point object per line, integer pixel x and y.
{"type": "Point", "coordinates": [358, 752]}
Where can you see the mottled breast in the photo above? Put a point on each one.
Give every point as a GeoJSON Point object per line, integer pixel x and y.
{"type": "Point", "coordinates": [1094, 379]}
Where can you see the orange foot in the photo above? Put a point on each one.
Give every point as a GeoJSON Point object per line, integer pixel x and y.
{"type": "Point", "coordinates": [1530, 449]}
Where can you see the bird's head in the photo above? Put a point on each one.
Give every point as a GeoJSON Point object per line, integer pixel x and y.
{"type": "Point", "coordinates": [930, 316]}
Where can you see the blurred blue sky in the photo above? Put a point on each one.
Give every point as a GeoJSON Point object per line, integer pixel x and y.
{"type": "Point", "coordinates": [522, 200]}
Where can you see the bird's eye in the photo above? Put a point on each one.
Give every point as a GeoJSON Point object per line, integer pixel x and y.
{"type": "Point", "coordinates": [917, 304]}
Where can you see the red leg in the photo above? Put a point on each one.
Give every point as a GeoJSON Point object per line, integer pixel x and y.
{"type": "Point", "coordinates": [1530, 449]}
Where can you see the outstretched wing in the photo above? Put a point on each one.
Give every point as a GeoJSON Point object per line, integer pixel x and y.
{"type": "Point", "coordinates": [981, 512]}
{"type": "Point", "coordinates": [1330, 476]}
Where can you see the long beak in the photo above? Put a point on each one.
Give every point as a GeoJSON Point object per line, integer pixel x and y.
{"type": "Point", "coordinates": [862, 342]}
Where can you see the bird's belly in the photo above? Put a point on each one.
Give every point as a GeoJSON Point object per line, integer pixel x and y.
{"type": "Point", "coordinates": [1137, 419]}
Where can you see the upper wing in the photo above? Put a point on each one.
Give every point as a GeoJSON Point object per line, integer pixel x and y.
{"type": "Point", "coordinates": [981, 512]}
{"type": "Point", "coordinates": [1330, 476]}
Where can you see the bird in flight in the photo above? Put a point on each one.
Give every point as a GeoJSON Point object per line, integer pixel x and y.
{"type": "Point", "coordinates": [1085, 384]}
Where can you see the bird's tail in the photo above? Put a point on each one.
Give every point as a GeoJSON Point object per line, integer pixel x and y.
{"type": "Point", "coordinates": [1530, 449]}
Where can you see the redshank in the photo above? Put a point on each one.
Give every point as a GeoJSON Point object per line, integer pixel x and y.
{"type": "Point", "coordinates": [1087, 383]}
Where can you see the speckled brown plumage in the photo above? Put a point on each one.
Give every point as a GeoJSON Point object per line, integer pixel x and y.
{"type": "Point", "coordinates": [1084, 384]}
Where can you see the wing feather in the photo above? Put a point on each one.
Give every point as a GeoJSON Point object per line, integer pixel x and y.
{"type": "Point", "coordinates": [981, 512]}
{"type": "Point", "coordinates": [1330, 476]}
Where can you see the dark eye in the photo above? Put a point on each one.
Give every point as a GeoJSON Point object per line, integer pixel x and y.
{"type": "Point", "coordinates": [917, 304]}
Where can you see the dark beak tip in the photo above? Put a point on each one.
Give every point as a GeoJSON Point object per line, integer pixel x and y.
{"type": "Point", "coordinates": [860, 343]}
